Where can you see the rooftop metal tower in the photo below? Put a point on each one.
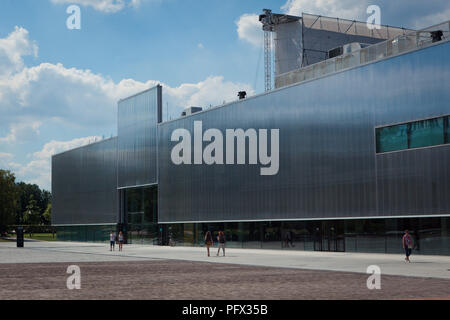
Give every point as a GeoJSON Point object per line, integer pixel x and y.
{"type": "Point", "coordinates": [266, 20]}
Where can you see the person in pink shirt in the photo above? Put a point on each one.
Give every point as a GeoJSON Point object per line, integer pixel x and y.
{"type": "Point", "coordinates": [407, 244]}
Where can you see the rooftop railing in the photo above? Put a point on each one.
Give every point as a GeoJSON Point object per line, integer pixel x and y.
{"type": "Point", "coordinates": [400, 44]}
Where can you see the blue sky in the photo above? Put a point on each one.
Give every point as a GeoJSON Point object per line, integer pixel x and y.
{"type": "Point", "coordinates": [142, 42]}
{"type": "Point", "coordinates": [59, 87]}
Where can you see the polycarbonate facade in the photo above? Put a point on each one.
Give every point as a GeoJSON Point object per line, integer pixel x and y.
{"type": "Point", "coordinates": [414, 181]}
{"type": "Point", "coordinates": [328, 162]}
{"type": "Point", "coordinates": [84, 185]}
{"type": "Point", "coordinates": [333, 191]}
{"type": "Point", "coordinates": [137, 143]}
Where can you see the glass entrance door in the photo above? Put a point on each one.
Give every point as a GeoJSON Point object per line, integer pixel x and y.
{"type": "Point", "coordinates": [328, 237]}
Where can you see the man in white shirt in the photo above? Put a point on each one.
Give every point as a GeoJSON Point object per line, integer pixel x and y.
{"type": "Point", "coordinates": [112, 241]}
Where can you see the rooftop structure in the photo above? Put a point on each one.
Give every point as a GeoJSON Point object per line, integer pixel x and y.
{"type": "Point", "coordinates": [398, 43]}
{"type": "Point", "coordinates": [302, 41]}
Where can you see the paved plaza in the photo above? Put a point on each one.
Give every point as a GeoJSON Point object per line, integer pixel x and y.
{"type": "Point", "coordinates": [38, 271]}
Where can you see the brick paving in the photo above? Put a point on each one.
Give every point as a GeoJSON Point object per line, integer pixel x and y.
{"type": "Point", "coordinates": [173, 280]}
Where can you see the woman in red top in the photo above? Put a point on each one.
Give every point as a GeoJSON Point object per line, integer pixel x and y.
{"type": "Point", "coordinates": [208, 240]}
{"type": "Point", "coordinates": [407, 245]}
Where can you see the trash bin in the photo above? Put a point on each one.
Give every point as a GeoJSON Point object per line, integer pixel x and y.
{"type": "Point", "coordinates": [19, 234]}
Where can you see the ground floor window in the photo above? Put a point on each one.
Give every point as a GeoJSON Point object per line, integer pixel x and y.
{"type": "Point", "coordinates": [84, 233]}
{"type": "Point", "coordinates": [431, 235]}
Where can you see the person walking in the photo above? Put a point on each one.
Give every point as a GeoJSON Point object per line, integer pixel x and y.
{"type": "Point", "coordinates": [221, 240]}
{"type": "Point", "coordinates": [112, 241]}
{"type": "Point", "coordinates": [120, 240]}
{"type": "Point", "coordinates": [288, 239]}
{"type": "Point", "coordinates": [208, 241]}
{"type": "Point", "coordinates": [407, 244]}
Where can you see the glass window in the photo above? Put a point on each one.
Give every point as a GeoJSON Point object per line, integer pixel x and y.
{"type": "Point", "coordinates": [135, 217]}
{"type": "Point", "coordinates": [426, 133]}
{"type": "Point", "coordinates": [134, 200]}
{"type": "Point", "coordinates": [392, 138]}
{"type": "Point", "coordinates": [415, 134]}
{"type": "Point", "coordinates": [150, 205]}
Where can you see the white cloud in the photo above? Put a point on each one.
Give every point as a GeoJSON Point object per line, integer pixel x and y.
{"type": "Point", "coordinates": [347, 9]}
{"type": "Point", "coordinates": [107, 6]}
{"type": "Point", "coordinates": [433, 18]}
{"type": "Point", "coordinates": [22, 132]}
{"type": "Point", "coordinates": [6, 156]}
{"type": "Point", "coordinates": [5, 159]}
{"type": "Point", "coordinates": [250, 29]}
{"type": "Point", "coordinates": [12, 48]}
{"type": "Point", "coordinates": [135, 3]}
{"type": "Point", "coordinates": [54, 147]}
{"type": "Point", "coordinates": [81, 98]}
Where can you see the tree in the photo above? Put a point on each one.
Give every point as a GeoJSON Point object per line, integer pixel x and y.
{"type": "Point", "coordinates": [46, 200]}
{"type": "Point", "coordinates": [32, 214]}
{"type": "Point", "coordinates": [8, 199]}
{"type": "Point", "coordinates": [41, 199]}
{"type": "Point", "coordinates": [26, 191]}
{"type": "Point", "coordinates": [47, 216]}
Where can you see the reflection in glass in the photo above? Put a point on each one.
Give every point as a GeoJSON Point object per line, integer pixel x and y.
{"type": "Point", "coordinates": [417, 134]}
{"type": "Point", "coordinates": [426, 133]}
{"type": "Point", "coordinates": [392, 138]}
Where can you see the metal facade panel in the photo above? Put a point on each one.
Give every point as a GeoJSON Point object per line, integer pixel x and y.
{"type": "Point", "coordinates": [414, 182]}
{"type": "Point", "coordinates": [84, 184]}
{"type": "Point", "coordinates": [328, 165]}
{"type": "Point", "coordinates": [288, 47]}
{"type": "Point", "coordinates": [137, 144]}
{"type": "Point", "coordinates": [317, 43]}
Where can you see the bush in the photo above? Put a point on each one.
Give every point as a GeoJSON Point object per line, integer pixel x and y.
{"type": "Point", "coordinates": [37, 229]}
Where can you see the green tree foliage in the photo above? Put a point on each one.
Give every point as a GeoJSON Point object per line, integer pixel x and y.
{"type": "Point", "coordinates": [32, 213]}
{"type": "Point", "coordinates": [8, 199]}
{"type": "Point", "coordinates": [41, 200]}
{"type": "Point", "coordinates": [47, 216]}
{"type": "Point", "coordinates": [22, 203]}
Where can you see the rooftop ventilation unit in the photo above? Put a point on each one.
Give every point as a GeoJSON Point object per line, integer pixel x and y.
{"type": "Point", "coordinates": [335, 52]}
{"type": "Point", "coordinates": [346, 48]}
{"type": "Point", "coordinates": [242, 95]}
{"type": "Point", "coordinates": [190, 110]}
{"type": "Point", "coordinates": [436, 35]}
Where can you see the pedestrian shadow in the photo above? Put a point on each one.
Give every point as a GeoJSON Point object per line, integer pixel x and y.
{"type": "Point", "coordinates": [227, 256]}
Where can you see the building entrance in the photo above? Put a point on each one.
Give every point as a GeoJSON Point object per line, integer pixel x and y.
{"type": "Point", "coordinates": [328, 237]}
{"type": "Point", "coordinates": [140, 207]}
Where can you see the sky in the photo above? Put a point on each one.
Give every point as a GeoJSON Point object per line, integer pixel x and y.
{"type": "Point", "coordinates": [59, 87]}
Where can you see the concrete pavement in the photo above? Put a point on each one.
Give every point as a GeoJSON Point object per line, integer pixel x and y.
{"type": "Point", "coordinates": [390, 264]}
